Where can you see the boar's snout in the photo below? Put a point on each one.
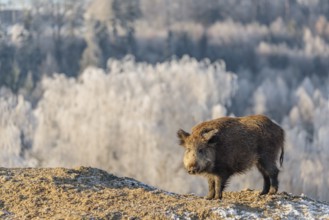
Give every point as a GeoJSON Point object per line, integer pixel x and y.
{"type": "Point", "coordinates": [192, 169]}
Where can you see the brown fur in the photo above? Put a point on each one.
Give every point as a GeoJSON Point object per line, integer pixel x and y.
{"type": "Point", "coordinates": [225, 146]}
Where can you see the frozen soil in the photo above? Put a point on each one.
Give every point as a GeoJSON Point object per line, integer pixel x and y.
{"type": "Point", "coordinates": [89, 193]}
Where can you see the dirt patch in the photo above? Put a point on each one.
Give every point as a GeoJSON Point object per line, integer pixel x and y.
{"type": "Point", "coordinates": [89, 193]}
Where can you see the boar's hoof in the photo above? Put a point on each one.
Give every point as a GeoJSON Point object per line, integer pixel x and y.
{"type": "Point", "coordinates": [218, 197]}
{"type": "Point", "coordinates": [209, 197]}
{"type": "Point", "coordinates": [263, 193]}
{"type": "Point", "coordinates": [273, 191]}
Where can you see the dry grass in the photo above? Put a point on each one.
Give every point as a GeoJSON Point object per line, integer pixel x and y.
{"type": "Point", "coordinates": [88, 193]}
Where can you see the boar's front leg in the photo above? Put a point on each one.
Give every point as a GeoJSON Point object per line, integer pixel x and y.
{"type": "Point", "coordinates": [220, 184]}
{"type": "Point", "coordinates": [211, 188]}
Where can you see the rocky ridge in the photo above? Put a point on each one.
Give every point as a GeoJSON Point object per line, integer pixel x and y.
{"type": "Point", "coordinates": [90, 193]}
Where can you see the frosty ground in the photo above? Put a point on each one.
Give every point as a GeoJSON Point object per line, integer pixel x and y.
{"type": "Point", "coordinates": [89, 193]}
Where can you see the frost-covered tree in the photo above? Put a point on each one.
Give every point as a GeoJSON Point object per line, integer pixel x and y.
{"type": "Point", "coordinates": [92, 55]}
{"type": "Point", "coordinates": [17, 128]}
{"type": "Point", "coordinates": [126, 13]}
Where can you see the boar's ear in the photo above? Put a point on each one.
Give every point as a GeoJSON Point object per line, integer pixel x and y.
{"type": "Point", "coordinates": [210, 135]}
{"type": "Point", "coordinates": [182, 135]}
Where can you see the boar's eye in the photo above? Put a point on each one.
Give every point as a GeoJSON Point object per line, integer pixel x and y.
{"type": "Point", "coordinates": [200, 151]}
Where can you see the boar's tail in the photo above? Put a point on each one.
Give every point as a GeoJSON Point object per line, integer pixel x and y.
{"type": "Point", "coordinates": [282, 149]}
{"type": "Point", "coordinates": [281, 156]}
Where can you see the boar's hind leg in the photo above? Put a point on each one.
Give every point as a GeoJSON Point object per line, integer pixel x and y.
{"type": "Point", "coordinates": [270, 174]}
{"type": "Point", "coordinates": [211, 188]}
{"type": "Point", "coordinates": [267, 182]}
{"type": "Point", "coordinates": [274, 180]}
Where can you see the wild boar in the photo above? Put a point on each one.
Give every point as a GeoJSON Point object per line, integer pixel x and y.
{"type": "Point", "coordinates": [220, 148]}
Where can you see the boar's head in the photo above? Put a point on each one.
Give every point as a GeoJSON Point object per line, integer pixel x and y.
{"type": "Point", "coordinates": [199, 156]}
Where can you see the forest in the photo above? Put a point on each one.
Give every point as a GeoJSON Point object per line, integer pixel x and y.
{"type": "Point", "coordinates": [107, 83]}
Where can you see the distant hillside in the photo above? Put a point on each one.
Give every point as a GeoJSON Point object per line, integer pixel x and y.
{"type": "Point", "coordinates": [89, 193]}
